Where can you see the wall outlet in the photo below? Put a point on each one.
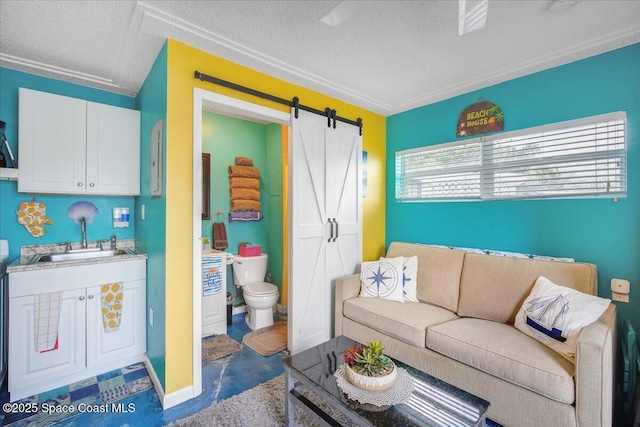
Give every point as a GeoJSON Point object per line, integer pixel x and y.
{"type": "Point", "coordinates": [620, 290]}
{"type": "Point", "coordinates": [150, 316]}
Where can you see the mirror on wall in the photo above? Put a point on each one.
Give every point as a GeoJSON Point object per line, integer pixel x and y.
{"type": "Point", "coordinates": [206, 204]}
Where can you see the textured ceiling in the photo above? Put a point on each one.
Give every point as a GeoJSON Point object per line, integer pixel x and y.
{"type": "Point", "coordinates": [390, 57]}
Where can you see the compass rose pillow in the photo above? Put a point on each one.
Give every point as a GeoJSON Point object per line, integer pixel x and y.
{"type": "Point", "coordinates": [409, 277]}
{"type": "Point", "coordinates": [382, 279]}
{"type": "Point", "coordinates": [555, 315]}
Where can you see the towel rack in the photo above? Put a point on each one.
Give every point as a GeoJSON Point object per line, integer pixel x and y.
{"type": "Point", "coordinates": [218, 213]}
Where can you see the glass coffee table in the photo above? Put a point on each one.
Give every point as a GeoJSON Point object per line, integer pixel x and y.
{"type": "Point", "coordinates": [433, 402]}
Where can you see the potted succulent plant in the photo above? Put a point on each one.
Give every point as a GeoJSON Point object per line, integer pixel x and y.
{"type": "Point", "coordinates": [205, 242]}
{"type": "Point", "coordinates": [367, 368]}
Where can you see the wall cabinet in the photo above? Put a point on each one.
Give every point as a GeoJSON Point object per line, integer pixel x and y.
{"type": "Point", "coordinates": [84, 348]}
{"type": "Point", "coordinates": [72, 146]}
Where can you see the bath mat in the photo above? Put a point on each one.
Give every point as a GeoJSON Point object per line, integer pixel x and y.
{"type": "Point", "coordinates": [269, 340]}
{"type": "Point", "coordinates": [217, 347]}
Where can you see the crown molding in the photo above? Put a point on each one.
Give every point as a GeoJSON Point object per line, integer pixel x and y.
{"type": "Point", "coordinates": [214, 44]}
{"type": "Point", "coordinates": [16, 62]}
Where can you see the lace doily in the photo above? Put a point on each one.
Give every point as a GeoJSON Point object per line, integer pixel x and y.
{"type": "Point", "coordinates": [398, 393]}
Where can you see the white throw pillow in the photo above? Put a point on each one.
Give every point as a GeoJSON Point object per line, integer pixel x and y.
{"type": "Point", "coordinates": [409, 277]}
{"type": "Point", "coordinates": [382, 279]}
{"type": "Point", "coordinates": [555, 315]}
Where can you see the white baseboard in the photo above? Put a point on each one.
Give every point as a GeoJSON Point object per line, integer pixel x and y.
{"type": "Point", "coordinates": [171, 399]}
{"type": "Point", "coordinates": [177, 397]}
{"type": "Point", "coordinates": [282, 309]}
{"type": "Point", "coordinates": [154, 378]}
{"type": "Point", "coordinates": [239, 309]}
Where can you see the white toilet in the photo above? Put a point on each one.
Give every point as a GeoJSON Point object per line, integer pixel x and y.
{"type": "Point", "coordinates": [260, 296]}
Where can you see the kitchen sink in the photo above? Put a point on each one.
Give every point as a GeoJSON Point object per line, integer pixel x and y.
{"type": "Point", "coordinates": [79, 255]}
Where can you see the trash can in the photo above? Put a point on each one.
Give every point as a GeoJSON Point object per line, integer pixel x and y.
{"type": "Point", "coordinates": [229, 308]}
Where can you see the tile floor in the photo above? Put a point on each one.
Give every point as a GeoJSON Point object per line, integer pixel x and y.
{"type": "Point", "coordinates": [221, 379]}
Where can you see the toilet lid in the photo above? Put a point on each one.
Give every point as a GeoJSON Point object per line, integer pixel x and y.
{"type": "Point", "coordinates": [259, 288]}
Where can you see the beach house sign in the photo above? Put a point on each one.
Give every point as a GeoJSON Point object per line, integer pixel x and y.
{"type": "Point", "coordinates": [481, 117]}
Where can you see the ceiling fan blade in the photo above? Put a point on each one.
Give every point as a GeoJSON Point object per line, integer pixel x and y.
{"type": "Point", "coordinates": [343, 11]}
{"type": "Point", "coordinates": [472, 15]}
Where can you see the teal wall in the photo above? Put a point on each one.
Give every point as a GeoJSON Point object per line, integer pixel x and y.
{"type": "Point", "coordinates": [225, 138]}
{"type": "Point", "coordinates": [63, 228]}
{"type": "Point", "coordinates": [598, 231]}
{"type": "Point", "coordinates": [151, 232]}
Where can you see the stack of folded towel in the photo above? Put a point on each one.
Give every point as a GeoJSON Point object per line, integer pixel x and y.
{"type": "Point", "coordinates": [244, 188]}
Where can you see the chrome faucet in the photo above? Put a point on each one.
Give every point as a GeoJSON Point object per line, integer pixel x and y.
{"type": "Point", "coordinates": [83, 229]}
{"type": "Point", "coordinates": [113, 242]}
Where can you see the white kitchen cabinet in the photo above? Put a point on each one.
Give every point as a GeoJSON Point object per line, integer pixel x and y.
{"type": "Point", "coordinates": [84, 348]}
{"type": "Point", "coordinates": [28, 367]}
{"type": "Point", "coordinates": [72, 146]}
{"type": "Point", "coordinates": [129, 339]}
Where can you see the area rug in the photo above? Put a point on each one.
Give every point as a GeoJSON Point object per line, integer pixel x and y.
{"type": "Point", "coordinates": [269, 340]}
{"type": "Point", "coordinates": [262, 405]}
{"type": "Point", "coordinates": [217, 347]}
{"type": "Point", "coordinates": [103, 389]}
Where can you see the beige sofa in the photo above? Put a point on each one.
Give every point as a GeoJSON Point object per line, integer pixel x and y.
{"type": "Point", "coordinates": [462, 332]}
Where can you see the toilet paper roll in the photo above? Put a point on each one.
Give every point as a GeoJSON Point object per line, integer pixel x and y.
{"type": "Point", "coordinates": [230, 258]}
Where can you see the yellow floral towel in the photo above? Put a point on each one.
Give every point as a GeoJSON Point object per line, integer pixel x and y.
{"type": "Point", "coordinates": [111, 297]}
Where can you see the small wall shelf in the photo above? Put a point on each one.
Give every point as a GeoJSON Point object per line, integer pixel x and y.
{"type": "Point", "coordinates": [8, 174]}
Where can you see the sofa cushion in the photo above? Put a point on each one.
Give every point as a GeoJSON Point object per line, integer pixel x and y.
{"type": "Point", "coordinates": [487, 280]}
{"type": "Point", "coordinates": [406, 322]}
{"type": "Point", "coordinates": [503, 351]}
{"type": "Point", "coordinates": [438, 272]}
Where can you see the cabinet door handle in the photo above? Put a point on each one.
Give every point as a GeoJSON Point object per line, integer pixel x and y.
{"type": "Point", "coordinates": [79, 184]}
{"type": "Point", "coordinates": [331, 224]}
{"type": "Point", "coordinates": [335, 221]}
{"type": "Point", "coordinates": [81, 298]}
{"type": "Point", "coordinates": [92, 185]}
{"type": "Point", "coordinates": [90, 296]}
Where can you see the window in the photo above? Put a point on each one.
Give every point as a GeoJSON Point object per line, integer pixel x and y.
{"type": "Point", "coordinates": [579, 158]}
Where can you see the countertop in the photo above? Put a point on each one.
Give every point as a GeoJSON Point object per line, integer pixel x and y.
{"type": "Point", "coordinates": [23, 263]}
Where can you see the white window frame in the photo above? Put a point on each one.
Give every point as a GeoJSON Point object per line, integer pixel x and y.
{"type": "Point", "coordinates": [513, 166]}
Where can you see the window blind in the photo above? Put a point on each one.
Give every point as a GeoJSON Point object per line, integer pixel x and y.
{"type": "Point", "coordinates": [579, 158]}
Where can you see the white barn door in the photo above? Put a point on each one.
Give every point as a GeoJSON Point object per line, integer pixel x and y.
{"type": "Point", "coordinates": [326, 222]}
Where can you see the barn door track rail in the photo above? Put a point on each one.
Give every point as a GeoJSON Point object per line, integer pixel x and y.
{"type": "Point", "coordinates": [330, 114]}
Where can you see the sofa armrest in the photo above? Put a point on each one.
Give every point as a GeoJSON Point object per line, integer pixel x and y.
{"type": "Point", "coordinates": [346, 287]}
{"type": "Point", "coordinates": [595, 371]}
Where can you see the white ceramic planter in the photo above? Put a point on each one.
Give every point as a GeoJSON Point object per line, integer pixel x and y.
{"type": "Point", "coordinates": [370, 383]}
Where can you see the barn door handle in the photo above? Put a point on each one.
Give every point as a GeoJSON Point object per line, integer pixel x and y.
{"type": "Point", "coordinates": [331, 224]}
{"type": "Point", "coordinates": [337, 233]}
